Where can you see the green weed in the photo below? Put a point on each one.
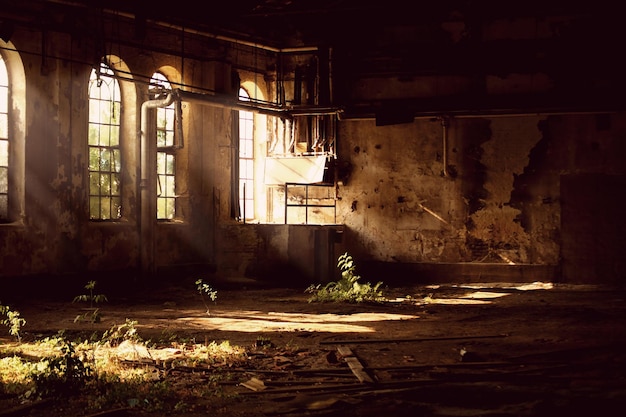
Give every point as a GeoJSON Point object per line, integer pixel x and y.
{"type": "Point", "coordinates": [206, 290]}
{"type": "Point", "coordinates": [91, 297]}
{"type": "Point", "coordinates": [348, 288]}
{"type": "Point", "coordinates": [12, 320]}
{"type": "Point", "coordinates": [93, 315]}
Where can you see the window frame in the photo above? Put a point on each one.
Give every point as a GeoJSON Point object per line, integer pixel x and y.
{"type": "Point", "coordinates": [246, 160]}
{"type": "Point", "coordinates": [166, 150]}
{"type": "Point", "coordinates": [16, 134]}
{"type": "Point", "coordinates": [106, 153]}
{"type": "Point", "coordinates": [5, 142]}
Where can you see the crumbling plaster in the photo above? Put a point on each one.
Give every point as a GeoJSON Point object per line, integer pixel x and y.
{"type": "Point", "coordinates": [505, 156]}
{"type": "Point", "coordinates": [397, 202]}
{"type": "Point", "coordinates": [400, 206]}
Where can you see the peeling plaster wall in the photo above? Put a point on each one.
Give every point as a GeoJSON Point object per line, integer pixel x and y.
{"type": "Point", "coordinates": [396, 203]}
{"type": "Point", "coordinates": [496, 223]}
{"type": "Point", "coordinates": [499, 204]}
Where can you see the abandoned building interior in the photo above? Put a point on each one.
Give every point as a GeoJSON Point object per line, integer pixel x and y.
{"type": "Point", "coordinates": [447, 147]}
{"type": "Point", "coordinates": [461, 140]}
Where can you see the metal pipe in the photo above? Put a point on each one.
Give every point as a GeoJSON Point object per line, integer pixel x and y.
{"type": "Point", "coordinates": [147, 223]}
{"type": "Point", "coordinates": [224, 101]}
{"type": "Point", "coordinates": [147, 220]}
{"type": "Point", "coordinates": [444, 157]}
{"type": "Point", "coordinates": [344, 115]}
{"type": "Point", "coordinates": [178, 125]}
{"type": "Point", "coordinates": [244, 203]}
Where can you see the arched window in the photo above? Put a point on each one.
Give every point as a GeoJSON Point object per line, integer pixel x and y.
{"type": "Point", "coordinates": [4, 141]}
{"type": "Point", "coordinates": [246, 161]}
{"type": "Point", "coordinates": [166, 158]}
{"type": "Point", "coordinates": [105, 165]}
{"type": "Point", "coordinates": [12, 134]}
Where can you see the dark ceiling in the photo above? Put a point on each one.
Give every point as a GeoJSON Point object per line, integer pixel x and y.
{"type": "Point", "coordinates": [297, 22]}
{"type": "Point", "coordinates": [284, 23]}
{"type": "Point", "coordinates": [577, 44]}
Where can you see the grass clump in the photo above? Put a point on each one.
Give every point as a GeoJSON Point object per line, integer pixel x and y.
{"type": "Point", "coordinates": [348, 288]}
{"type": "Point", "coordinates": [99, 374]}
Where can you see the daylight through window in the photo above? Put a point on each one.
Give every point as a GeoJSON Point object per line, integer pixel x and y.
{"type": "Point", "coordinates": [4, 141]}
{"type": "Point", "coordinates": [246, 160]}
{"type": "Point", "coordinates": [166, 160]}
{"type": "Point", "coordinates": [104, 146]}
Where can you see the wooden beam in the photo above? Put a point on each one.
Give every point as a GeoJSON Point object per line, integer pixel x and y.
{"type": "Point", "coordinates": [422, 339]}
{"type": "Point", "coordinates": [355, 364]}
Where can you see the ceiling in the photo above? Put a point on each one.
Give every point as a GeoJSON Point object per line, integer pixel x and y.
{"type": "Point", "coordinates": [291, 22]}
{"type": "Point", "coordinates": [284, 23]}
{"type": "Point", "coordinates": [399, 39]}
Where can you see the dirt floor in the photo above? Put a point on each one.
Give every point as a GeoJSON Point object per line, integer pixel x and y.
{"type": "Point", "coordinates": [497, 349]}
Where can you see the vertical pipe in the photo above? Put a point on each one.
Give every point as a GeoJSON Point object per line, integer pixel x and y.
{"type": "Point", "coordinates": [147, 186]}
{"type": "Point", "coordinates": [306, 204]}
{"type": "Point", "coordinates": [286, 200]}
{"type": "Point", "coordinates": [179, 140]}
{"type": "Point", "coordinates": [444, 125]}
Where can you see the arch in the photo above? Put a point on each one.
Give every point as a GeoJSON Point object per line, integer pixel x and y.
{"type": "Point", "coordinates": [16, 128]}
{"type": "Point", "coordinates": [253, 89]}
{"type": "Point", "coordinates": [172, 74]}
{"type": "Point", "coordinates": [112, 150]}
{"type": "Point", "coordinates": [252, 154]}
{"type": "Point", "coordinates": [167, 145]}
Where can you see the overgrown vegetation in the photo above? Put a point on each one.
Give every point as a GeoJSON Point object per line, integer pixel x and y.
{"type": "Point", "coordinates": [12, 320]}
{"type": "Point", "coordinates": [108, 372]}
{"type": "Point", "coordinates": [348, 288]}
{"type": "Point", "coordinates": [112, 369]}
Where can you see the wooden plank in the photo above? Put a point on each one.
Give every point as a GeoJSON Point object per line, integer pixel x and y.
{"type": "Point", "coordinates": [358, 370]}
{"type": "Point", "coordinates": [254, 384]}
{"type": "Point", "coordinates": [354, 364]}
{"type": "Point", "coordinates": [345, 388]}
{"type": "Point", "coordinates": [344, 351]}
{"type": "Point", "coordinates": [423, 339]}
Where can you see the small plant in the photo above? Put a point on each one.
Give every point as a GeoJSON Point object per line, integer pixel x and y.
{"type": "Point", "coordinates": [206, 290]}
{"type": "Point", "coordinates": [91, 297]}
{"type": "Point", "coordinates": [119, 333]}
{"type": "Point", "coordinates": [13, 321]}
{"type": "Point", "coordinates": [348, 288]}
{"type": "Point", "coordinates": [262, 341]}
{"type": "Point", "coordinates": [93, 315]}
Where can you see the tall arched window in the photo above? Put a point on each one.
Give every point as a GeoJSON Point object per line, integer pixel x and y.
{"type": "Point", "coordinates": [4, 141]}
{"type": "Point", "coordinates": [166, 158]}
{"type": "Point", "coordinates": [105, 165]}
{"type": "Point", "coordinates": [12, 134]}
{"type": "Point", "coordinates": [246, 161]}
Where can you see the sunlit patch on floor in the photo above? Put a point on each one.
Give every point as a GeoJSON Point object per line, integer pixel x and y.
{"type": "Point", "coordinates": [451, 301]}
{"type": "Point", "coordinates": [257, 321]}
{"type": "Point", "coordinates": [526, 286]}
{"type": "Point", "coordinates": [482, 295]}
